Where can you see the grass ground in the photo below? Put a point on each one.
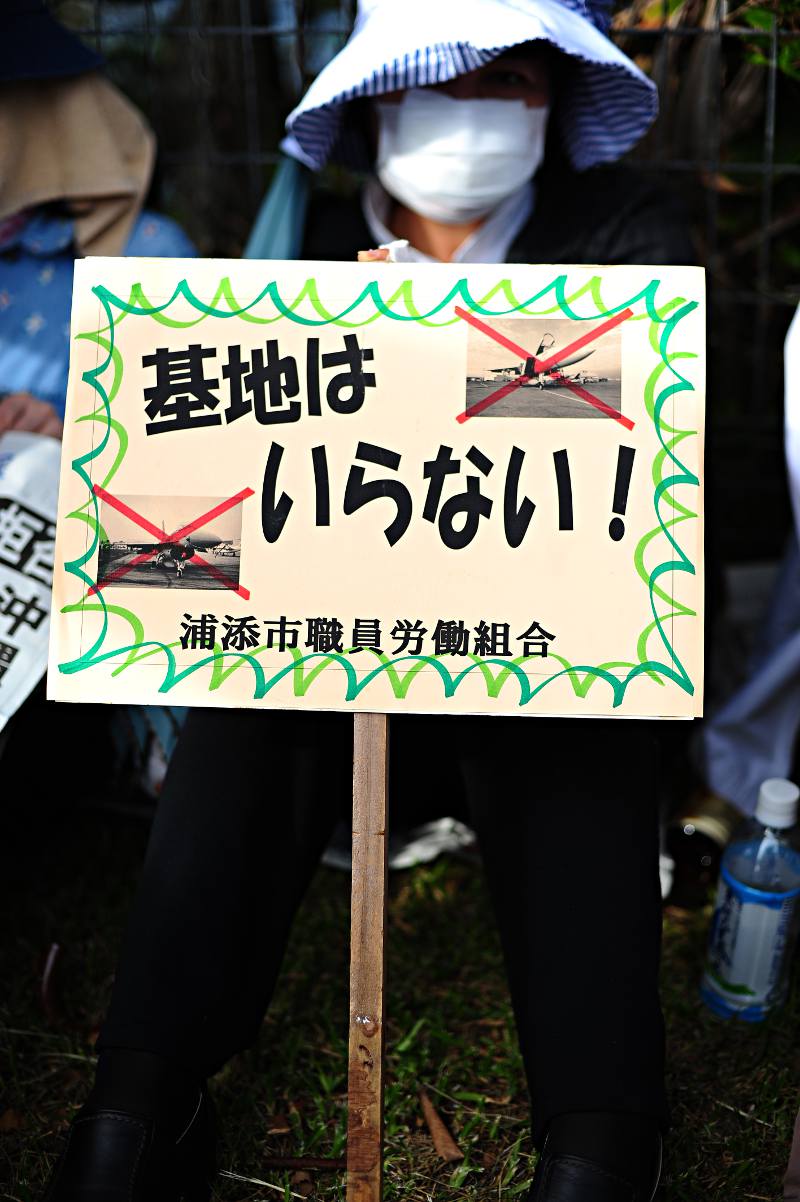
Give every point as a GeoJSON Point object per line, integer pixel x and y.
{"type": "Point", "coordinates": [734, 1088]}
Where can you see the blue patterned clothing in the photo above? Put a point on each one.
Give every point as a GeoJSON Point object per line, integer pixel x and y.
{"type": "Point", "coordinates": [37, 253]}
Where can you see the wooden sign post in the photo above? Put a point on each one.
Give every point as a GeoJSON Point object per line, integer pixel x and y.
{"type": "Point", "coordinates": [367, 959]}
{"type": "Point", "coordinates": [380, 489]}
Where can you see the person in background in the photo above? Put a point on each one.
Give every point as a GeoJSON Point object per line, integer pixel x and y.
{"type": "Point", "coordinates": [490, 130]}
{"type": "Point", "coordinates": [76, 160]}
{"type": "Point", "coordinates": [752, 734]}
{"type": "Point", "coordinates": [181, 554]}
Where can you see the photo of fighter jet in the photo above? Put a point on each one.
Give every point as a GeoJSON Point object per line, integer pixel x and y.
{"type": "Point", "coordinates": [134, 556]}
{"type": "Point", "coordinates": [554, 391]}
{"type": "Point", "coordinates": [550, 378]}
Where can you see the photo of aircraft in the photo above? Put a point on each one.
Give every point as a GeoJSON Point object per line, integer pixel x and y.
{"type": "Point", "coordinates": [145, 560]}
{"type": "Point", "coordinates": [201, 540]}
{"type": "Point", "coordinates": [546, 375]}
{"type": "Point", "coordinates": [547, 379]}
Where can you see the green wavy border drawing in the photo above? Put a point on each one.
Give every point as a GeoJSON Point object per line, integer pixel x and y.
{"type": "Point", "coordinates": [655, 654]}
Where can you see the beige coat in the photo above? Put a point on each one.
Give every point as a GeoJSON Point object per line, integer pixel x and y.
{"type": "Point", "coordinates": [80, 141]}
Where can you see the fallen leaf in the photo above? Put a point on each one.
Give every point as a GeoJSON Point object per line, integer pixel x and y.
{"type": "Point", "coordinates": [303, 1183]}
{"type": "Point", "coordinates": [11, 1120]}
{"type": "Point", "coordinates": [446, 1147]}
{"type": "Point", "coordinates": [719, 182]}
{"type": "Point", "coordinates": [279, 1124]}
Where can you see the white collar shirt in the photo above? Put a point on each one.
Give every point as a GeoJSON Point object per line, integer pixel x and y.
{"type": "Point", "coordinates": [490, 243]}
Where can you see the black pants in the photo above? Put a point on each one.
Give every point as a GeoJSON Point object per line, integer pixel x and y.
{"type": "Point", "coordinates": [567, 823]}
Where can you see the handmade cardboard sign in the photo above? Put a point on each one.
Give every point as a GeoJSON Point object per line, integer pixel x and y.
{"type": "Point", "coordinates": [28, 487]}
{"type": "Point", "coordinates": [431, 488]}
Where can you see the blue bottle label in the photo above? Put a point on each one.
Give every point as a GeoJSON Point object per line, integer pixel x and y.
{"type": "Point", "coordinates": [752, 937]}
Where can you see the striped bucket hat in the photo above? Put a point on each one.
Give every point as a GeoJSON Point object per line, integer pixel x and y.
{"type": "Point", "coordinates": [607, 107]}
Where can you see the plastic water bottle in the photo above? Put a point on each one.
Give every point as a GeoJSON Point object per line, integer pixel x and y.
{"type": "Point", "coordinates": [755, 924]}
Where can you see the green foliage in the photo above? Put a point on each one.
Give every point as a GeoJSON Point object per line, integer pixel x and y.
{"type": "Point", "coordinates": [781, 16]}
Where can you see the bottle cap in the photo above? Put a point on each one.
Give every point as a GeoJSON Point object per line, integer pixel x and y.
{"type": "Point", "coordinates": [777, 803]}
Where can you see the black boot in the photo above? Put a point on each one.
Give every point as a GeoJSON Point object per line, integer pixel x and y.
{"type": "Point", "coordinates": [140, 1138]}
{"type": "Point", "coordinates": [599, 1158]}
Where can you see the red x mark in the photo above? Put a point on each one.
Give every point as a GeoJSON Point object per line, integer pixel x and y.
{"type": "Point", "coordinates": [147, 525]}
{"type": "Point", "coordinates": [542, 365]}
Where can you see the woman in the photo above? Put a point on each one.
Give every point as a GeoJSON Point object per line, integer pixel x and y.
{"type": "Point", "coordinates": [483, 120]}
{"type": "Point", "coordinates": [76, 161]}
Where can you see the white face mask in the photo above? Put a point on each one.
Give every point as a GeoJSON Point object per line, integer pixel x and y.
{"type": "Point", "coordinates": [456, 160]}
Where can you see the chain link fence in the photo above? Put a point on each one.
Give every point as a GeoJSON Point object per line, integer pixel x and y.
{"type": "Point", "coordinates": [216, 78]}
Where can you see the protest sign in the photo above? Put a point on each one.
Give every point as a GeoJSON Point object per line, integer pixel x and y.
{"type": "Point", "coordinates": [432, 488]}
{"type": "Point", "coordinates": [28, 487]}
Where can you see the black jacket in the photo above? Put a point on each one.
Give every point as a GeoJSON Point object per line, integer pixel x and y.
{"type": "Point", "coordinates": [606, 215]}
